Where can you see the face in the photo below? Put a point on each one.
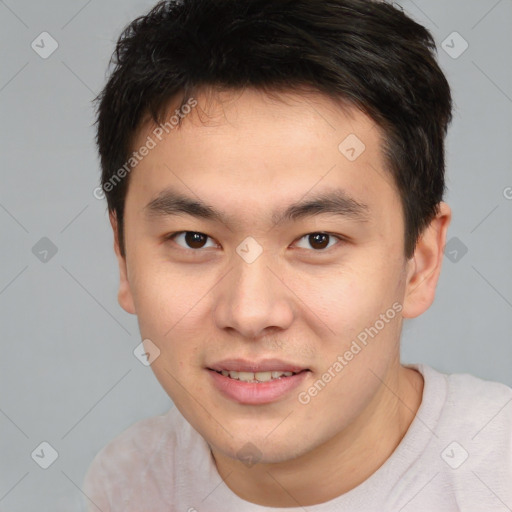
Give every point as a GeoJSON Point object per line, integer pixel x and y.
{"type": "Point", "coordinates": [244, 281]}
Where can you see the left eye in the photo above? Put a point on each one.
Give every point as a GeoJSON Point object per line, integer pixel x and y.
{"type": "Point", "coordinates": [319, 241]}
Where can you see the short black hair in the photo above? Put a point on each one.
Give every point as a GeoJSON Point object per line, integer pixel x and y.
{"type": "Point", "coordinates": [366, 54]}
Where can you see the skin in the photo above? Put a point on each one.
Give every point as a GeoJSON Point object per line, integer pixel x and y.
{"type": "Point", "coordinates": [247, 154]}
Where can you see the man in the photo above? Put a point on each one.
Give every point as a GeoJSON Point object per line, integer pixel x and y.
{"type": "Point", "coordinates": [274, 173]}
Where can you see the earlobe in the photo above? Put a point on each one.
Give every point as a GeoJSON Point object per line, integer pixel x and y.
{"type": "Point", "coordinates": [124, 295]}
{"type": "Point", "coordinates": [425, 266]}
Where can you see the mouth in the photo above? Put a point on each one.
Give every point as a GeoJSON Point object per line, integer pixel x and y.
{"type": "Point", "coordinates": [257, 377]}
{"type": "Point", "coordinates": [256, 383]}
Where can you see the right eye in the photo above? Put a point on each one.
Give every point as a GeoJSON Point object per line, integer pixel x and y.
{"type": "Point", "coordinates": [193, 239]}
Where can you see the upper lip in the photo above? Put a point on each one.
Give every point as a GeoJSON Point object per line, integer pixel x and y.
{"type": "Point", "coordinates": [265, 365]}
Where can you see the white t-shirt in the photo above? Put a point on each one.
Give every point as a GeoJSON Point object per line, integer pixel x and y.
{"type": "Point", "coordinates": [455, 456]}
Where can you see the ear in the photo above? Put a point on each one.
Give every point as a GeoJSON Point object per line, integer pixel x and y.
{"type": "Point", "coordinates": [124, 295]}
{"type": "Point", "coordinates": [424, 267]}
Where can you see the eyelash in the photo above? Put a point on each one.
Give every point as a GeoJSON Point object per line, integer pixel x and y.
{"type": "Point", "coordinates": [340, 239]}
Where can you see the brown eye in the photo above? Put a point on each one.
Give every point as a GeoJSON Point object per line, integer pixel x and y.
{"type": "Point", "coordinates": [319, 241]}
{"type": "Point", "coordinates": [190, 239]}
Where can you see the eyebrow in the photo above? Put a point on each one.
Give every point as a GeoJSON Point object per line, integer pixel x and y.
{"type": "Point", "coordinates": [336, 202]}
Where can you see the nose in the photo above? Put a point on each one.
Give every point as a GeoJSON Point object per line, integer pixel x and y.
{"type": "Point", "coordinates": [253, 300]}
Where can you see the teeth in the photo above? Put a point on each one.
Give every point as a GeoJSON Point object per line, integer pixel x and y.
{"type": "Point", "coordinates": [245, 376]}
{"type": "Point", "coordinates": [265, 376]}
{"type": "Point", "coordinates": [255, 377]}
{"type": "Point", "coordinates": [275, 375]}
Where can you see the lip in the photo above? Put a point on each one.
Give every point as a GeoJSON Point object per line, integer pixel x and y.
{"type": "Point", "coordinates": [253, 393]}
{"type": "Point", "coordinates": [265, 365]}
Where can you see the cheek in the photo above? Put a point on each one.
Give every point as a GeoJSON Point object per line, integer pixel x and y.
{"type": "Point", "coordinates": [165, 297]}
{"type": "Point", "coordinates": [168, 314]}
{"type": "Point", "coordinates": [361, 307]}
{"type": "Point", "coordinates": [171, 314]}
{"type": "Point", "coordinates": [349, 299]}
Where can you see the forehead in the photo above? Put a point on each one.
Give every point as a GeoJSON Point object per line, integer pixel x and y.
{"type": "Point", "coordinates": [256, 153]}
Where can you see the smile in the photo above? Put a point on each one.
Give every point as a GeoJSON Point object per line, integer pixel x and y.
{"type": "Point", "coordinates": [256, 388]}
{"type": "Point", "coordinates": [255, 376]}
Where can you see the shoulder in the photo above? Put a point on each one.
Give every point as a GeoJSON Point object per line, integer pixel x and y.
{"type": "Point", "coordinates": [468, 397]}
{"type": "Point", "coordinates": [472, 443]}
{"type": "Point", "coordinates": [122, 464]}
{"type": "Point", "coordinates": [475, 418]}
{"type": "Point", "coordinates": [472, 397]}
{"type": "Point", "coordinates": [139, 440]}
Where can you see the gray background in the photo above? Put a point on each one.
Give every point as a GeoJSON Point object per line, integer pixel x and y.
{"type": "Point", "coordinates": [68, 375]}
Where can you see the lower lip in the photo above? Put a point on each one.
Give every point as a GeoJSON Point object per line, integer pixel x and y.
{"type": "Point", "coordinates": [256, 393]}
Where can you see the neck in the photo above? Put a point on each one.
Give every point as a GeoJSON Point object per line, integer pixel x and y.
{"type": "Point", "coordinates": [340, 464]}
